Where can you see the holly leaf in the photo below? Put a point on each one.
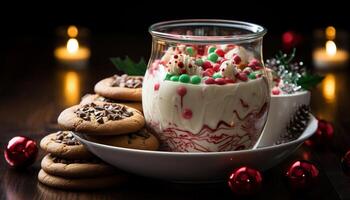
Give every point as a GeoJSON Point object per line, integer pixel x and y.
{"type": "Point", "coordinates": [309, 81]}
{"type": "Point", "coordinates": [130, 67]}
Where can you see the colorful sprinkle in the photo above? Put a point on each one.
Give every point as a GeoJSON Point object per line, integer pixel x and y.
{"type": "Point", "coordinates": [184, 78]}
{"type": "Point", "coordinates": [174, 78]}
{"type": "Point", "coordinates": [156, 86]}
{"type": "Point", "coordinates": [196, 79]}
{"type": "Point", "coordinates": [190, 51]}
{"type": "Point", "coordinates": [211, 49]}
{"type": "Point", "coordinates": [187, 113]}
{"type": "Point", "coordinates": [213, 57]}
{"type": "Point", "coordinates": [217, 75]}
{"type": "Point", "coordinates": [181, 91]}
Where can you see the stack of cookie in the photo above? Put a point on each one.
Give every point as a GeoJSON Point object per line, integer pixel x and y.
{"type": "Point", "coordinates": [109, 123]}
{"type": "Point", "coordinates": [100, 119]}
{"type": "Point", "coordinates": [118, 89]}
{"type": "Point", "coordinates": [68, 165]}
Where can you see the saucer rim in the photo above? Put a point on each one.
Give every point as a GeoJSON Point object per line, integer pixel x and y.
{"type": "Point", "coordinates": [304, 136]}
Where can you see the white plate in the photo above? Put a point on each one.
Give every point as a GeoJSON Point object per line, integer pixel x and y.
{"type": "Point", "coordinates": [194, 167]}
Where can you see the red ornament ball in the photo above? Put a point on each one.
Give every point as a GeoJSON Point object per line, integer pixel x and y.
{"type": "Point", "coordinates": [345, 163]}
{"type": "Point", "coordinates": [324, 134]}
{"type": "Point", "coordinates": [21, 152]}
{"type": "Point", "coordinates": [245, 181]}
{"type": "Point", "coordinates": [302, 175]}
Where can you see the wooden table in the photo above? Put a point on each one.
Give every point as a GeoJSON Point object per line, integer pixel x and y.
{"type": "Point", "coordinates": [34, 90]}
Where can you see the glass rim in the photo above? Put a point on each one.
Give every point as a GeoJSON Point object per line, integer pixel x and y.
{"type": "Point", "coordinates": [256, 31]}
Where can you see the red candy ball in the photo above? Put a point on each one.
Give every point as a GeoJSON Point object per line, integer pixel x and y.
{"type": "Point", "coordinates": [207, 65]}
{"type": "Point", "coordinates": [220, 81]}
{"type": "Point", "coordinates": [276, 91]}
{"type": "Point", "coordinates": [236, 59]}
{"type": "Point", "coordinates": [245, 181]}
{"type": "Point", "coordinates": [216, 67]}
{"type": "Point", "coordinates": [21, 152]}
{"type": "Point", "coordinates": [220, 52]}
{"type": "Point", "coordinates": [209, 81]}
{"type": "Point", "coordinates": [324, 134]}
{"type": "Point", "coordinates": [242, 76]}
{"type": "Point", "coordinates": [302, 175]}
{"type": "Point", "coordinates": [229, 80]}
{"type": "Point", "coordinates": [209, 72]}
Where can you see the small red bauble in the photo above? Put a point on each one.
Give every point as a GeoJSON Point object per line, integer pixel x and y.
{"type": "Point", "coordinates": [302, 175]}
{"type": "Point", "coordinates": [21, 152]}
{"type": "Point", "coordinates": [345, 163]}
{"type": "Point", "coordinates": [245, 181]}
{"type": "Point", "coordinates": [324, 134]}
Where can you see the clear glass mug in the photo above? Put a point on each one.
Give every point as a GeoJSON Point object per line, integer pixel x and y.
{"type": "Point", "coordinates": [205, 89]}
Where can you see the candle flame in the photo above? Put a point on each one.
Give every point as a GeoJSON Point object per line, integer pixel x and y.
{"type": "Point", "coordinates": [72, 31]}
{"type": "Point", "coordinates": [71, 88]}
{"type": "Point", "coordinates": [331, 48]}
{"type": "Point", "coordinates": [72, 45]}
{"type": "Point", "coordinates": [330, 33]}
{"type": "Point", "coordinates": [328, 88]}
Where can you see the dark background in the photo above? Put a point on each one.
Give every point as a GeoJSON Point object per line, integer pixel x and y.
{"type": "Point", "coordinates": [28, 29]}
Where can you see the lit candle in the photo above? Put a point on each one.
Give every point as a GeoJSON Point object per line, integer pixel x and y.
{"type": "Point", "coordinates": [330, 56]}
{"type": "Point", "coordinates": [72, 54]}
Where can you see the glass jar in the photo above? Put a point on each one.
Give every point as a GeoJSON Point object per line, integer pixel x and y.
{"type": "Point", "coordinates": [205, 89]}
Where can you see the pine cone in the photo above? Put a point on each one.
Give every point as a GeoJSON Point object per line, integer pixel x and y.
{"type": "Point", "coordinates": [297, 124]}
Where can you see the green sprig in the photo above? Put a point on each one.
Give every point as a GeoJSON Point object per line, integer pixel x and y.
{"type": "Point", "coordinates": [130, 67]}
{"type": "Point", "coordinates": [308, 81]}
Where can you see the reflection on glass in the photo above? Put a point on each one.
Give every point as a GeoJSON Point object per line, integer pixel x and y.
{"type": "Point", "coordinates": [71, 88]}
{"type": "Point", "coordinates": [328, 88]}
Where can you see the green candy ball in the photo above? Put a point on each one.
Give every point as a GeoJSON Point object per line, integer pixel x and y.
{"type": "Point", "coordinates": [195, 79]}
{"type": "Point", "coordinates": [213, 57]}
{"type": "Point", "coordinates": [174, 78]}
{"type": "Point", "coordinates": [190, 51]}
{"type": "Point", "coordinates": [168, 76]}
{"type": "Point", "coordinates": [217, 75]}
{"type": "Point", "coordinates": [252, 75]}
{"type": "Point", "coordinates": [211, 50]}
{"type": "Point", "coordinates": [184, 78]}
{"type": "Point", "coordinates": [199, 62]}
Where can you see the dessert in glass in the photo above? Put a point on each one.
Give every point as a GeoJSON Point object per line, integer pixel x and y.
{"type": "Point", "coordinates": [205, 89]}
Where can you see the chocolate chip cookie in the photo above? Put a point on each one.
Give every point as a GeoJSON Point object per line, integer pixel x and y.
{"type": "Point", "coordinates": [142, 139]}
{"type": "Point", "coordinates": [89, 98]}
{"type": "Point", "coordinates": [64, 145]}
{"type": "Point", "coordinates": [101, 118]}
{"type": "Point", "coordinates": [121, 87]}
{"type": "Point", "coordinates": [77, 168]}
{"type": "Point", "coordinates": [81, 183]}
